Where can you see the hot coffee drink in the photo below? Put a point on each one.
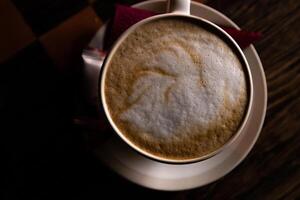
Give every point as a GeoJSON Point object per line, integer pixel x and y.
{"type": "Point", "coordinates": [175, 89]}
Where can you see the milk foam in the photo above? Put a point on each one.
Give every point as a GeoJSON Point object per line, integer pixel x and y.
{"type": "Point", "coordinates": [188, 82]}
{"type": "Point", "coordinates": [175, 90]}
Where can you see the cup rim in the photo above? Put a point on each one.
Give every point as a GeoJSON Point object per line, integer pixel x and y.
{"type": "Point", "coordinates": [222, 35]}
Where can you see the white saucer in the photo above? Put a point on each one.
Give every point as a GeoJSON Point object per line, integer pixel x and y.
{"type": "Point", "coordinates": [152, 174]}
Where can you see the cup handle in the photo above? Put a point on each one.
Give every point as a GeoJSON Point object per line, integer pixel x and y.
{"type": "Point", "coordinates": [179, 6]}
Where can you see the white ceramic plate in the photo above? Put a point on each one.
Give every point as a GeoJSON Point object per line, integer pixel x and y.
{"type": "Point", "coordinates": [152, 174]}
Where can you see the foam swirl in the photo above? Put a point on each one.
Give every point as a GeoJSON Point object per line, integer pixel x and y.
{"type": "Point", "coordinates": [185, 77]}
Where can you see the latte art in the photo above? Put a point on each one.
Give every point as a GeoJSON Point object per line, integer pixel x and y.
{"type": "Point", "coordinates": [175, 89]}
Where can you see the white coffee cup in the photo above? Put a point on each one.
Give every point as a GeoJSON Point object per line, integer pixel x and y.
{"type": "Point", "coordinates": [178, 9]}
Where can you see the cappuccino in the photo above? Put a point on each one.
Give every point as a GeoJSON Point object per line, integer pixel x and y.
{"type": "Point", "coordinates": [175, 90]}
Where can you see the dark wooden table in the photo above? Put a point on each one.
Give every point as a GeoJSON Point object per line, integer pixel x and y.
{"type": "Point", "coordinates": [46, 156]}
{"type": "Point", "coordinates": [272, 169]}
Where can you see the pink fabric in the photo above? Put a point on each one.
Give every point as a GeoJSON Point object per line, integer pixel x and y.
{"type": "Point", "coordinates": [127, 16]}
{"type": "Point", "coordinates": [124, 17]}
{"type": "Point", "coordinates": [243, 38]}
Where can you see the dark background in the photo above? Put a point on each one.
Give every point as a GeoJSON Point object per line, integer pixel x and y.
{"type": "Point", "coordinates": [47, 157]}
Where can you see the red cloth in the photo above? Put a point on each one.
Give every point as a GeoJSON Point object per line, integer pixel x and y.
{"type": "Point", "coordinates": [243, 38]}
{"type": "Point", "coordinates": [127, 16]}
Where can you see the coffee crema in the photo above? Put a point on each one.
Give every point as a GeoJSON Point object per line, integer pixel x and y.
{"type": "Point", "coordinates": [175, 90]}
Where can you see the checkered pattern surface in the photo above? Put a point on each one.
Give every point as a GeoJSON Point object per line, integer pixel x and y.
{"type": "Point", "coordinates": [60, 27]}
